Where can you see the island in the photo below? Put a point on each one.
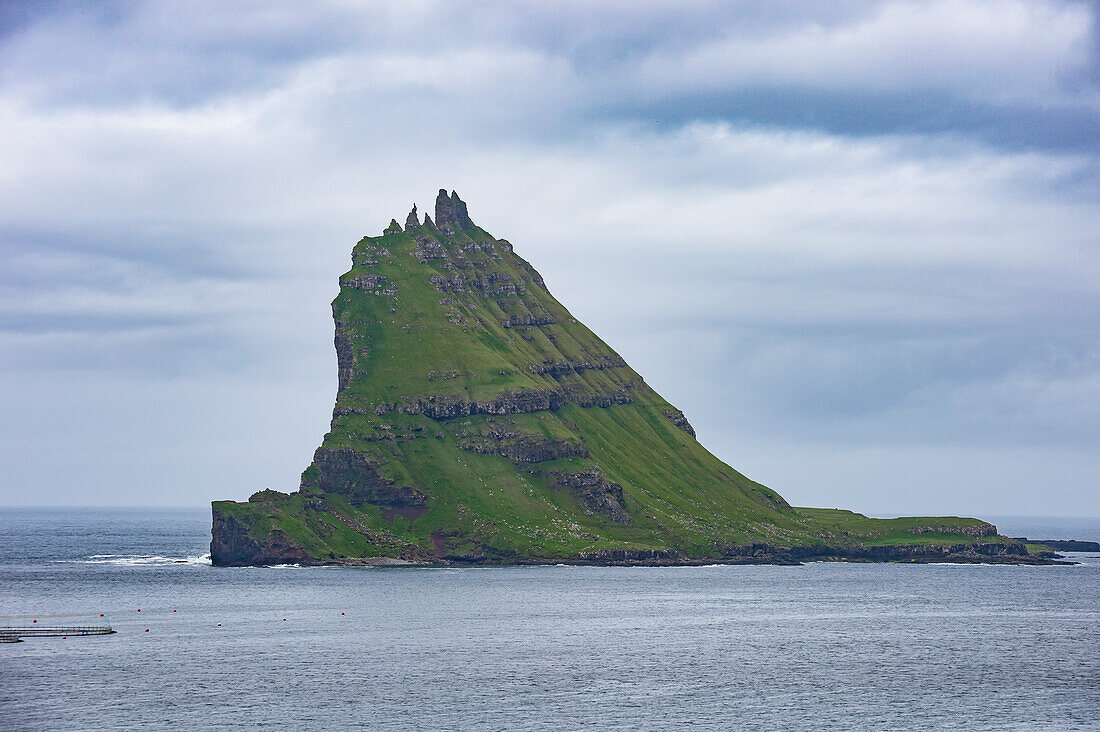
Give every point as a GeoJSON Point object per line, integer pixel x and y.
{"type": "Point", "coordinates": [478, 422]}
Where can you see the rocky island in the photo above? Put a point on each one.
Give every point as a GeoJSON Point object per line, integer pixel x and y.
{"type": "Point", "coordinates": [477, 421]}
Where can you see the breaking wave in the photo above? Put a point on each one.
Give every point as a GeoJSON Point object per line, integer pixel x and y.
{"type": "Point", "coordinates": [140, 560]}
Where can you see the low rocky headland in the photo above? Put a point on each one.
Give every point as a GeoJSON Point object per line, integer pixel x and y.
{"type": "Point", "coordinates": [1063, 545]}
{"type": "Point", "coordinates": [478, 422]}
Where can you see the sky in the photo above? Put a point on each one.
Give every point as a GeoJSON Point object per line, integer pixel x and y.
{"type": "Point", "coordinates": [858, 243]}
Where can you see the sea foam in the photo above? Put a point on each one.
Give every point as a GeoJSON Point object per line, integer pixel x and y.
{"type": "Point", "coordinates": [140, 560]}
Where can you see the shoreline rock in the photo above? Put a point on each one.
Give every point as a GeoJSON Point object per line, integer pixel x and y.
{"type": "Point", "coordinates": [1063, 545]}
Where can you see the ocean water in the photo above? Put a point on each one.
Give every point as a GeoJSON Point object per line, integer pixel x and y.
{"type": "Point", "coordinates": [822, 646]}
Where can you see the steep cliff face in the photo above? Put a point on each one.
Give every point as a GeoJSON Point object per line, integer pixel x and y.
{"type": "Point", "coordinates": [477, 420]}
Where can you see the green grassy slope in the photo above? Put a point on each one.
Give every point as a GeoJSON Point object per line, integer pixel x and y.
{"type": "Point", "coordinates": [477, 419]}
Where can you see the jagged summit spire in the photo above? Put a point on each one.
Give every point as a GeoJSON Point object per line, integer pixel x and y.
{"type": "Point", "coordinates": [412, 221]}
{"type": "Point", "coordinates": [450, 213]}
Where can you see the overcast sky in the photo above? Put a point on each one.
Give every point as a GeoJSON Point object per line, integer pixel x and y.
{"type": "Point", "coordinates": [858, 243]}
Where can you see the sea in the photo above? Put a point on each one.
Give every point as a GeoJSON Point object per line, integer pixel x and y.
{"type": "Point", "coordinates": [824, 646]}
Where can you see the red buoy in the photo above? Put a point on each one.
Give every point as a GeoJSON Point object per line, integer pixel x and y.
{"type": "Point", "coordinates": [146, 630]}
{"type": "Point", "coordinates": [341, 613]}
{"type": "Point", "coordinates": [101, 615]}
{"type": "Point", "coordinates": [35, 620]}
{"type": "Point", "coordinates": [173, 611]}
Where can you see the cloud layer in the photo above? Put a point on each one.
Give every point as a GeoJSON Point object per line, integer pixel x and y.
{"type": "Point", "coordinates": [856, 242]}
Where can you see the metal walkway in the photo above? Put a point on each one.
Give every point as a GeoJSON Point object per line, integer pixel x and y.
{"type": "Point", "coordinates": [12, 629]}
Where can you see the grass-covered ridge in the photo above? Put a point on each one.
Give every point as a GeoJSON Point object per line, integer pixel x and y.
{"type": "Point", "coordinates": [477, 420]}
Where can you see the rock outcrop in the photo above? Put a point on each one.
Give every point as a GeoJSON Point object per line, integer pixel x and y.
{"type": "Point", "coordinates": [234, 544]}
{"type": "Point", "coordinates": [594, 491]}
{"type": "Point", "coordinates": [450, 213]}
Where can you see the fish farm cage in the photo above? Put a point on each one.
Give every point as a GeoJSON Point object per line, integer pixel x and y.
{"type": "Point", "coordinates": [12, 630]}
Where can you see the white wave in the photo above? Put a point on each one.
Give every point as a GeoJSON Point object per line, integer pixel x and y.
{"type": "Point", "coordinates": [967, 564]}
{"type": "Point", "coordinates": [140, 560]}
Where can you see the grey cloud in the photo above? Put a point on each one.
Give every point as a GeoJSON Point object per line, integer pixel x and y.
{"type": "Point", "coordinates": [876, 355]}
{"type": "Point", "coordinates": [1024, 75]}
{"type": "Point", "coordinates": [164, 349]}
{"type": "Point", "coordinates": [180, 54]}
{"type": "Point", "coordinates": [826, 273]}
{"type": "Point", "coordinates": [866, 113]}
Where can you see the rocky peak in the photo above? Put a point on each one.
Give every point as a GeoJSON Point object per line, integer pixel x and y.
{"type": "Point", "coordinates": [497, 428]}
{"type": "Point", "coordinates": [450, 213]}
{"type": "Point", "coordinates": [393, 228]}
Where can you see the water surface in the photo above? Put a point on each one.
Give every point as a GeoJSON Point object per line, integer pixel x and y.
{"type": "Point", "coordinates": [823, 646]}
